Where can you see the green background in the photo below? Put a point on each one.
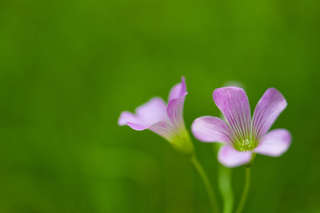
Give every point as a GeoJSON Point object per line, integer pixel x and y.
{"type": "Point", "coordinates": [68, 68]}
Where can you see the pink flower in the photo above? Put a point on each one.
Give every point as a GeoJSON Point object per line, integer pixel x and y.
{"type": "Point", "coordinates": [162, 119]}
{"type": "Point", "coordinates": [240, 134]}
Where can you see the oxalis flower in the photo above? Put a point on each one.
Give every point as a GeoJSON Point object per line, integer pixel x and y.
{"type": "Point", "coordinates": [241, 135]}
{"type": "Point", "coordinates": [164, 119]}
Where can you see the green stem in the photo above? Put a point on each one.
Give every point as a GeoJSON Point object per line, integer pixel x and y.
{"type": "Point", "coordinates": [225, 187]}
{"type": "Point", "coordinates": [207, 184]}
{"type": "Point", "coordinates": [245, 191]}
{"type": "Point", "coordinates": [225, 183]}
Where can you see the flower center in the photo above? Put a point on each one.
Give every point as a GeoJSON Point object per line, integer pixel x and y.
{"type": "Point", "coordinates": [245, 144]}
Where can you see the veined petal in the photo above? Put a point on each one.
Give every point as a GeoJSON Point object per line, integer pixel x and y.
{"type": "Point", "coordinates": [175, 111]}
{"type": "Point", "coordinates": [153, 111]}
{"type": "Point", "coordinates": [127, 118]}
{"type": "Point", "coordinates": [210, 129]}
{"type": "Point", "coordinates": [179, 90]}
{"type": "Point", "coordinates": [176, 103]}
{"type": "Point", "coordinates": [275, 143]}
{"type": "Point", "coordinates": [146, 115]}
{"type": "Point", "coordinates": [230, 157]}
{"type": "Point", "coordinates": [163, 129]}
{"type": "Point", "coordinates": [271, 104]}
{"type": "Point", "coordinates": [234, 104]}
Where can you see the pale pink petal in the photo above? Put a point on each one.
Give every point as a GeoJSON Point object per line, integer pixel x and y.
{"type": "Point", "coordinates": [233, 103]}
{"type": "Point", "coordinates": [230, 157]}
{"type": "Point", "coordinates": [175, 111]}
{"type": "Point", "coordinates": [179, 90]}
{"type": "Point", "coordinates": [127, 118]}
{"type": "Point", "coordinates": [153, 111]}
{"type": "Point", "coordinates": [275, 143]}
{"type": "Point", "coordinates": [271, 104]}
{"type": "Point", "coordinates": [210, 129]}
{"type": "Point", "coordinates": [163, 129]}
{"type": "Point", "coordinates": [150, 113]}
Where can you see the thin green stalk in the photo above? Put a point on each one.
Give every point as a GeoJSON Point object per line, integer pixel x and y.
{"type": "Point", "coordinates": [225, 183]}
{"type": "Point", "coordinates": [207, 184]}
{"type": "Point", "coordinates": [225, 187]}
{"type": "Point", "coordinates": [245, 191]}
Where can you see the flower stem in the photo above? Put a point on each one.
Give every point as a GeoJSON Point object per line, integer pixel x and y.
{"type": "Point", "coordinates": [207, 184]}
{"type": "Point", "coordinates": [225, 187]}
{"type": "Point", "coordinates": [224, 183]}
{"type": "Point", "coordinates": [245, 191]}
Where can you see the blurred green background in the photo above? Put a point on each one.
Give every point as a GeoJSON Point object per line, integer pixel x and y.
{"type": "Point", "coordinates": [68, 68]}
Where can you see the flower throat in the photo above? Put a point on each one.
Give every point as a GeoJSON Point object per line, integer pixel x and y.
{"type": "Point", "coordinates": [245, 144]}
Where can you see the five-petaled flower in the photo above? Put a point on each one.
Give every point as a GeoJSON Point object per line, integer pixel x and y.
{"type": "Point", "coordinates": [165, 120]}
{"type": "Point", "coordinates": [241, 135]}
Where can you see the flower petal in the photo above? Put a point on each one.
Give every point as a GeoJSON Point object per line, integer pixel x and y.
{"type": "Point", "coordinates": [275, 143]}
{"type": "Point", "coordinates": [176, 103]}
{"type": "Point", "coordinates": [175, 111]}
{"type": "Point", "coordinates": [210, 129]}
{"type": "Point", "coordinates": [163, 129]}
{"type": "Point", "coordinates": [127, 118]}
{"type": "Point", "coordinates": [230, 157]}
{"type": "Point", "coordinates": [153, 111]}
{"type": "Point", "coordinates": [179, 90]}
{"type": "Point", "coordinates": [271, 104]}
{"type": "Point", "coordinates": [146, 115]}
{"type": "Point", "coordinates": [233, 103]}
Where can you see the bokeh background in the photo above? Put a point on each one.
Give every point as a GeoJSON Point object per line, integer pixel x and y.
{"type": "Point", "coordinates": [68, 68]}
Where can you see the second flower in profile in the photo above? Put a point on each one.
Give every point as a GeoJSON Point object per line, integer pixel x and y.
{"type": "Point", "coordinates": [164, 119]}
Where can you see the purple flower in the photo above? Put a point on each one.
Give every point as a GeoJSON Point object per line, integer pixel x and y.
{"type": "Point", "coordinates": [240, 134]}
{"type": "Point", "coordinates": [165, 120]}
